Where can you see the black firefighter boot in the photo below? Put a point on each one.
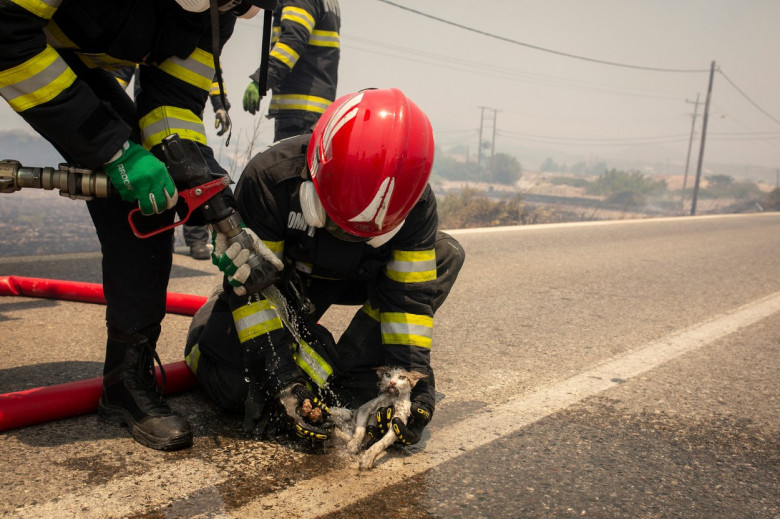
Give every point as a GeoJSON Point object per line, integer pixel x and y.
{"type": "Point", "coordinates": [130, 394]}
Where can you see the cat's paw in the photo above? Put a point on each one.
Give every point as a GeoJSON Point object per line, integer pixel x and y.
{"type": "Point", "coordinates": [367, 461]}
{"type": "Point", "coordinates": [353, 447]}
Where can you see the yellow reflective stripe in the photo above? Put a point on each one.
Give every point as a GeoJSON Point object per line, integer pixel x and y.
{"type": "Point", "coordinates": [298, 15]}
{"type": "Point", "coordinates": [193, 358]}
{"type": "Point", "coordinates": [42, 8]}
{"type": "Point", "coordinates": [299, 102]}
{"type": "Point", "coordinates": [167, 120]}
{"type": "Point", "coordinates": [412, 266]}
{"type": "Point", "coordinates": [197, 69]}
{"type": "Point", "coordinates": [104, 61]}
{"type": "Point", "coordinates": [324, 39]}
{"type": "Point", "coordinates": [277, 247]}
{"type": "Point", "coordinates": [373, 313]}
{"type": "Point", "coordinates": [36, 81]}
{"type": "Point", "coordinates": [56, 38]}
{"type": "Point", "coordinates": [214, 91]}
{"type": "Point", "coordinates": [312, 364]}
{"type": "Point", "coordinates": [285, 54]}
{"type": "Point", "coordinates": [409, 329]}
{"type": "Point", "coordinates": [255, 319]}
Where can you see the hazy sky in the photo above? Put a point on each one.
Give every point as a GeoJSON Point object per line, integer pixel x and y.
{"type": "Point", "coordinates": [552, 105]}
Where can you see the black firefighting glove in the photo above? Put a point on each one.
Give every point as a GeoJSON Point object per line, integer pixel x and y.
{"type": "Point", "coordinates": [307, 416]}
{"type": "Point", "coordinates": [408, 434]}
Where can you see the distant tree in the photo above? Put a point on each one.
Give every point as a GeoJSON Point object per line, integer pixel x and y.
{"type": "Point", "coordinates": [579, 168]}
{"type": "Point", "coordinates": [612, 182]}
{"type": "Point", "coordinates": [772, 200]}
{"type": "Point", "coordinates": [568, 181]}
{"type": "Point", "coordinates": [447, 167]}
{"type": "Point", "coordinates": [725, 187]}
{"type": "Point", "coordinates": [549, 165]}
{"type": "Point", "coordinates": [598, 168]}
{"type": "Point", "coordinates": [719, 180]}
{"type": "Point", "coordinates": [505, 169]}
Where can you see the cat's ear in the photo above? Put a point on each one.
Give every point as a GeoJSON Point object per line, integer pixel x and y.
{"type": "Point", "coordinates": [380, 370]}
{"type": "Point", "coordinates": [416, 376]}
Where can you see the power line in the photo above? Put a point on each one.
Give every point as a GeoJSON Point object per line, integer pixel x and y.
{"type": "Point", "coordinates": [543, 49]}
{"type": "Point", "coordinates": [607, 141]}
{"type": "Point", "coordinates": [438, 60]}
{"type": "Point", "coordinates": [745, 95]}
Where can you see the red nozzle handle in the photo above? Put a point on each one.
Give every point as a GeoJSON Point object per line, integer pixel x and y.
{"type": "Point", "coordinates": [194, 198]}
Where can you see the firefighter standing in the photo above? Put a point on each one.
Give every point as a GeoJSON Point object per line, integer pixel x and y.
{"type": "Point", "coordinates": [195, 236]}
{"type": "Point", "coordinates": [302, 67]}
{"type": "Point", "coordinates": [349, 209]}
{"type": "Point", "coordinates": [55, 58]}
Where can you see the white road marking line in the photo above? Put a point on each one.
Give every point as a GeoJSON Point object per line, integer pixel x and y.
{"type": "Point", "coordinates": [340, 488]}
{"type": "Point", "coordinates": [601, 223]}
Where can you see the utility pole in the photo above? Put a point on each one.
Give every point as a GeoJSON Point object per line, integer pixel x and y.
{"type": "Point", "coordinates": [492, 137]}
{"type": "Point", "coordinates": [479, 144]}
{"type": "Point", "coordinates": [690, 145]}
{"type": "Point", "coordinates": [703, 139]}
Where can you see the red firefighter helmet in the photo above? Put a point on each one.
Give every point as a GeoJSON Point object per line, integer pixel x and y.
{"type": "Point", "coordinates": [370, 158]}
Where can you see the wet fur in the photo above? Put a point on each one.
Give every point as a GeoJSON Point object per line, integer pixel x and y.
{"type": "Point", "coordinates": [395, 388]}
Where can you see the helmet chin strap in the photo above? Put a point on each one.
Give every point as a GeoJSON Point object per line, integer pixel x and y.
{"type": "Point", "coordinates": [311, 207]}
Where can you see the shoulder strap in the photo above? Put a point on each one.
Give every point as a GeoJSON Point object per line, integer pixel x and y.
{"type": "Point", "coordinates": [265, 51]}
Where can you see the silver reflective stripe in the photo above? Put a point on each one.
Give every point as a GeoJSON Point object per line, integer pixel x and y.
{"type": "Point", "coordinates": [43, 78]}
{"type": "Point", "coordinates": [260, 319]}
{"type": "Point", "coordinates": [313, 364]}
{"type": "Point", "coordinates": [166, 124]}
{"type": "Point", "coordinates": [412, 266]}
{"type": "Point", "coordinates": [406, 329]}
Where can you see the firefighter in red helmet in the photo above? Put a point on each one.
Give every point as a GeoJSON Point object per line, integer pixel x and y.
{"type": "Point", "coordinates": [349, 210]}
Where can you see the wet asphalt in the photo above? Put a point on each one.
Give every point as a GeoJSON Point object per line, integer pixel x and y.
{"type": "Point", "coordinates": [693, 434]}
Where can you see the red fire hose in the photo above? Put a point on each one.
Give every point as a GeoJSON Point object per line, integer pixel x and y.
{"type": "Point", "coordinates": [183, 304]}
{"type": "Point", "coordinates": [44, 404]}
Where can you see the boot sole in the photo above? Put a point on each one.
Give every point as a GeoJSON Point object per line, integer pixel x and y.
{"type": "Point", "coordinates": [121, 418]}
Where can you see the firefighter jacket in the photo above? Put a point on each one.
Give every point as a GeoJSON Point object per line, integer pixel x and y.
{"type": "Point", "coordinates": [125, 74]}
{"type": "Point", "coordinates": [400, 276]}
{"type": "Point", "coordinates": [304, 60]}
{"type": "Point", "coordinates": [47, 48]}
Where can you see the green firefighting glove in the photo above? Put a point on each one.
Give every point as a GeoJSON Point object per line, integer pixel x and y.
{"type": "Point", "coordinates": [408, 434]}
{"type": "Point", "coordinates": [231, 260]}
{"type": "Point", "coordinates": [222, 121]}
{"type": "Point", "coordinates": [139, 175]}
{"type": "Point", "coordinates": [252, 98]}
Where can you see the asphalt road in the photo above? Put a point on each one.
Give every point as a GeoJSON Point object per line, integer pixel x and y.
{"type": "Point", "coordinates": [614, 369]}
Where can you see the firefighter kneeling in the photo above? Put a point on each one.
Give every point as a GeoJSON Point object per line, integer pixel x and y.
{"type": "Point", "coordinates": [349, 210]}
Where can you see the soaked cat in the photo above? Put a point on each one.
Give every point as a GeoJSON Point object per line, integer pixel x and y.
{"type": "Point", "coordinates": [395, 388]}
